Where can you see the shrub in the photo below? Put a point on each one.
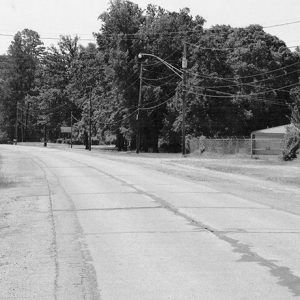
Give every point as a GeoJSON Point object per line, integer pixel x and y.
{"type": "Point", "coordinates": [4, 137]}
{"type": "Point", "coordinates": [291, 143]}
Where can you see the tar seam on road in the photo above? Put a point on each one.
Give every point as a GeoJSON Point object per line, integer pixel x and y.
{"type": "Point", "coordinates": [108, 209]}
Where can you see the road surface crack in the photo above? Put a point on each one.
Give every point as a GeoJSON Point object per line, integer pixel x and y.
{"type": "Point", "coordinates": [283, 274]}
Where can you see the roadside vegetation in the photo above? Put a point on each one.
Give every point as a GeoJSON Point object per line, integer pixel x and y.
{"type": "Point", "coordinates": [238, 80]}
{"type": "Point", "coordinates": [4, 181]}
{"type": "Point", "coordinates": [291, 143]}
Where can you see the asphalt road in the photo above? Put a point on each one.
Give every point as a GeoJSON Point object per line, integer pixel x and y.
{"type": "Point", "coordinates": [81, 226]}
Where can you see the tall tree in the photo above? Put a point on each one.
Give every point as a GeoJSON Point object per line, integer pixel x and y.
{"type": "Point", "coordinates": [52, 103]}
{"type": "Point", "coordinates": [24, 53]}
{"type": "Point", "coordinates": [115, 40]}
{"type": "Point", "coordinates": [241, 81]}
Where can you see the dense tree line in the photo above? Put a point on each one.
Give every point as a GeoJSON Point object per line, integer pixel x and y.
{"type": "Point", "coordinates": [238, 80]}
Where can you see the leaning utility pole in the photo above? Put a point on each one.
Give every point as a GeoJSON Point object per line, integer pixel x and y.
{"type": "Point", "coordinates": [138, 134]}
{"type": "Point", "coordinates": [184, 66]}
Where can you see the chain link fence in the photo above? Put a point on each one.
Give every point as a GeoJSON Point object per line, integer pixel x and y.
{"type": "Point", "coordinates": [220, 145]}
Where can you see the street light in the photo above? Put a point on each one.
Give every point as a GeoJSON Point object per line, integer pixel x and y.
{"type": "Point", "coordinates": [174, 69]}
{"type": "Point", "coordinates": [182, 75]}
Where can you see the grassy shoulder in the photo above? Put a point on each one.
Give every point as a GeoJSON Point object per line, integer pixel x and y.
{"type": "Point", "coordinates": [270, 168]}
{"type": "Point", "coordinates": [5, 182]}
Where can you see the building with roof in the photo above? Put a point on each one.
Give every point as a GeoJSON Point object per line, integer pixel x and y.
{"type": "Point", "coordinates": [268, 141]}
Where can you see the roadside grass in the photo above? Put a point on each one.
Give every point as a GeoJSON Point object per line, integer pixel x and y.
{"type": "Point", "coordinates": [270, 168]}
{"type": "Point", "coordinates": [5, 182]}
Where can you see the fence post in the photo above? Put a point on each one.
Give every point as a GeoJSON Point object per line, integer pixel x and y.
{"type": "Point", "coordinates": [251, 141]}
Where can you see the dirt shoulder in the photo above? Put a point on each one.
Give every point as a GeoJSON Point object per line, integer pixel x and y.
{"type": "Point", "coordinates": [26, 230]}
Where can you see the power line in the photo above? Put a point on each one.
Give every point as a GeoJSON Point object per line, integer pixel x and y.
{"type": "Point", "coordinates": [162, 84]}
{"type": "Point", "coordinates": [257, 100]}
{"type": "Point", "coordinates": [251, 94]}
{"type": "Point", "coordinates": [225, 48]}
{"type": "Point", "coordinates": [251, 84]}
{"type": "Point", "coordinates": [158, 105]}
{"type": "Point", "coordinates": [157, 79]}
{"type": "Point", "coordinates": [282, 24]}
{"type": "Point", "coordinates": [156, 63]}
{"type": "Point", "coordinates": [140, 34]}
{"type": "Point", "coordinates": [123, 36]}
{"type": "Point", "coordinates": [120, 120]}
{"type": "Point", "coordinates": [4, 34]}
{"type": "Point", "coordinates": [244, 77]}
{"type": "Point", "coordinates": [49, 38]}
{"type": "Point", "coordinates": [254, 82]}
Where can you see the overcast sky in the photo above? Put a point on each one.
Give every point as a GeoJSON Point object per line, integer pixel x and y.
{"type": "Point", "coordinates": [51, 18]}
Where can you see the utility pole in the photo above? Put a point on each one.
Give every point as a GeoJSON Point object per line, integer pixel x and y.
{"type": "Point", "coordinates": [90, 124]}
{"type": "Point", "coordinates": [22, 124]}
{"type": "Point", "coordinates": [184, 67]}
{"type": "Point", "coordinates": [71, 128]}
{"type": "Point", "coordinates": [16, 124]}
{"type": "Point", "coordinates": [26, 122]}
{"type": "Point", "coordinates": [45, 135]}
{"type": "Point", "coordinates": [138, 134]}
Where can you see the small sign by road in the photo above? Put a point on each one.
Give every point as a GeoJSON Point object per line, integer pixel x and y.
{"type": "Point", "coordinates": [65, 129]}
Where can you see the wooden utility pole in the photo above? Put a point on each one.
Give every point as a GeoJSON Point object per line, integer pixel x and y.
{"type": "Point", "coordinates": [90, 124]}
{"type": "Point", "coordinates": [71, 129]}
{"type": "Point", "coordinates": [16, 124]}
{"type": "Point", "coordinates": [184, 67]}
{"type": "Point", "coordinates": [22, 124]}
{"type": "Point", "coordinates": [26, 122]}
{"type": "Point", "coordinates": [138, 134]}
{"type": "Point", "coordinates": [45, 134]}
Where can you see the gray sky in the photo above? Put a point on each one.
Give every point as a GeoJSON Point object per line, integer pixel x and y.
{"type": "Point", "coordinates": [51, 18]}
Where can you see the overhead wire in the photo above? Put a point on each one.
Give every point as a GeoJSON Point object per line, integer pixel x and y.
{"type": "Point", "coordinates": [251, 94]}
{"type": "Point", "coordinates": [158, 79]}
{"type": "Point", "coordinates": [158, 105]}
{"type": "Point", "coordinates": [282, 24]}
{"type": "Point", "coordinates": [243, 77]}
{"type": "Point", "coordinates": [139, 34]}
{"type": "Point", "coordinates": [253, 99]}
{"type": "Point", "coordinates": [118, 121]}
{"type": "Point", "coordinates": [162, 84]}
{"type": "Point", "coordinates": [255, 82]}
{"type": "Point", "coordinates": [197, 45]}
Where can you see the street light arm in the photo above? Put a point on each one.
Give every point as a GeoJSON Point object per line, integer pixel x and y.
{"type": "Point", "coordinates": [172, 68]}
{"type": "Point", "coordinates": [182, 75]}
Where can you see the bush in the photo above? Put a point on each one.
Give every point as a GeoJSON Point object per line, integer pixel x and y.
{"type": "Point", "coordinates": [4, 138]}
{"type": "Point", "coordinates": [291, 143]}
